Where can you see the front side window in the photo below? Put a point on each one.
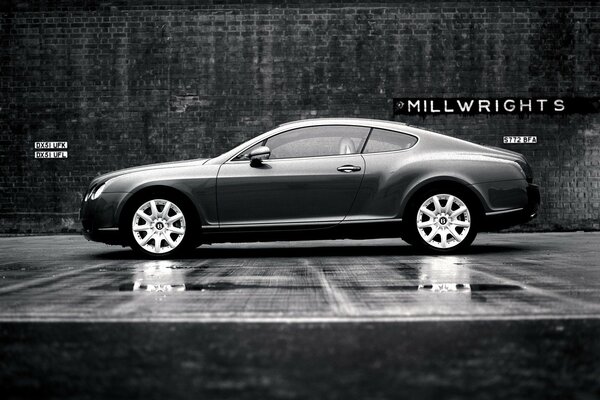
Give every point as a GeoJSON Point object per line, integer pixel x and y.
{"type": "Point", "coordinates": [383, 140]}
{"type": "Point", "coordinates": [318, 141]}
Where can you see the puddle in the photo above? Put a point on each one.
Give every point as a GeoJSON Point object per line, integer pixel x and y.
{"type": "Point", "coordinates": [217, 286]}
{"type": "Point", "coordinates": [446, 287]}
{"type": "Point", "coordinates": [484, 287]}
{"type": "Point", "coordinates": [155, 288]}
{"type": "Point", "coordinates": [467, 287]}
{"type": "Point", "coordinates": [225, 286]}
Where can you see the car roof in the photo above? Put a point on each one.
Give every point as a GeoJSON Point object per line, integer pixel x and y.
{"type": "Point", "coordinates": [340, 121]}
{"type": "Point", "coordinates": [374, 123]}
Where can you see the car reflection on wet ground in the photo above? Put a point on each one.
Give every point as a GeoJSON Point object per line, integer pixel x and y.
{"type": "Point", "coordinates": [517, 315]}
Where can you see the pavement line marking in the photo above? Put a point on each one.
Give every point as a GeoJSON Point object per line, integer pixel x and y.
{"type": "Point", "coordinates": [10, 262]}
{"type": "Point", "coordinates": [536, 290]}
{"type": "Point", "coordinates": [298, 320]}
{"type": "Point", "coordinates": [336, 297]}
{"type": "Point", "coordinates": [54, 277]}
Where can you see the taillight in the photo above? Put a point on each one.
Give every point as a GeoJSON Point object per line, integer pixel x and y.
{"type": "Point", "coordinates": [526, 170]}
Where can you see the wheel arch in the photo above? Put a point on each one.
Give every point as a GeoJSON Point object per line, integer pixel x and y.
{"type": "Point", "coordinates": [444, 183]}
{"type": "Point", "coordinates": [157, 190]}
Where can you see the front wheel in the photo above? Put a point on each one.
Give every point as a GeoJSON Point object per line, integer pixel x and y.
{"type": "Point", "coordinates": [443, 222]}
{"type": "Point", "coordinates": [158, 227]}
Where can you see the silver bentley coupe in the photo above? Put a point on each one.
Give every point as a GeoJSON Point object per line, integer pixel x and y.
{"type": "Point", "coordinates": [317, 179]}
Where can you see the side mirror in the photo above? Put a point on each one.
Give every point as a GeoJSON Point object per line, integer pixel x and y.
{"type": "Point", "coordinates": [259, 154]}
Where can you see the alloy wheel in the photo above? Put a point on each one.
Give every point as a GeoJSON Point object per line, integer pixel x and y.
{"type": "Point", "coordinates": [443, 221]}
{"type": "Point", "coordinates": [158, 226]}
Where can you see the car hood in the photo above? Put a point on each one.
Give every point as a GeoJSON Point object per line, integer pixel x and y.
{"type": "Point", "coordinates": [173, 164]}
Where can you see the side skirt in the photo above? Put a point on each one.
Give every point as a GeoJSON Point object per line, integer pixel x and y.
{"type": "Point", "coordinates": [344, 230]}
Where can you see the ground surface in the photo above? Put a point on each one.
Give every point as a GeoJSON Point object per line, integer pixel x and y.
{"type": "Point", "coordinates": [518, 315]}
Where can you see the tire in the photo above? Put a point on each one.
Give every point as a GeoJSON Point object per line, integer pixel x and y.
{"type": "Point", "coordinates": [159, 226]}
{"type": "Point", "coordinates": [442, 221]}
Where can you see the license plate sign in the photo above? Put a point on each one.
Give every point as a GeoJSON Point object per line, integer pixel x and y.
{"type": "Point", "coordinates": [519, 139]}
{"type": "Point", "coordinates": [51, 154]}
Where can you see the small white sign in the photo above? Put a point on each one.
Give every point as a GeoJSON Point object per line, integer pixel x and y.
{"type": "Point", "coordinates": [51, 154]}
{"type": "Point", "coordinates": [51, 145]}
{"type": "Point", "coordinates": [519, 139]}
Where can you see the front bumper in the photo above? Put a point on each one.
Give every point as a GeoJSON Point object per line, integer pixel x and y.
{"type": "Point", "coordinates": [100, 218]}
{"type": "Point", "coordinates": [108, 236]}
{"type": "Point", "coordinates": [505, 219]}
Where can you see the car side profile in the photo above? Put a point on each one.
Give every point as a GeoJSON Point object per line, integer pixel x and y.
{"type": "Point", "coordinates": [317, 179]}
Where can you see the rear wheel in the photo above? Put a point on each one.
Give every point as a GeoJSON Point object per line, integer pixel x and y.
{"type": "Point", "coordinates": [158, 227]}
{"type": "Point", "coordinates": [442, 221]}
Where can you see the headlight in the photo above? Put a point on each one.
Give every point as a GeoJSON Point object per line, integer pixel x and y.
{"type": "Point", "coordinates": [98, 191]}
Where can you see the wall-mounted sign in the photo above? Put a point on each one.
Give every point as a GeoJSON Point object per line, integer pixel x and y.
{"type": "Point", "coordinates": [519, 139]}
{"type": "Point", "coordinates": [50, 149]}
{"type": "Point", "coordinates": [505, 105]}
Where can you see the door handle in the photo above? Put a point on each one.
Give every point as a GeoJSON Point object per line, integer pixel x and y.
{"type": "Point", "coordinates": [349, 168]}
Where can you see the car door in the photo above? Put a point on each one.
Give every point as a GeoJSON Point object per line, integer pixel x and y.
{"type": "Point", "coordinates": [311, 177]}
{"type": "Point", "coordinates": [388, 157]}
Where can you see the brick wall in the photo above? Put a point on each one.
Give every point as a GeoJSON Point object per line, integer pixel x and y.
{"type": "Point", "coordinates": [127, 84]}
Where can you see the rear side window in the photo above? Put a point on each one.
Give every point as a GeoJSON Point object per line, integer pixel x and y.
{"type": "Point", "coordinates": [384, 140]}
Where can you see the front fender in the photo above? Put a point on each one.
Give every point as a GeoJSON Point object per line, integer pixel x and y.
{"type": "Point", "coordinates": [197, 184]}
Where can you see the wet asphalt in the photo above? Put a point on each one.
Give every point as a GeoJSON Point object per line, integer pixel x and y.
{"type": "Point", "coordinates": [517, 315]}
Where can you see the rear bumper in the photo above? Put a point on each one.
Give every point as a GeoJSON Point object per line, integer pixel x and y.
{"type": "Point", "coordinates": [507, 218]}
